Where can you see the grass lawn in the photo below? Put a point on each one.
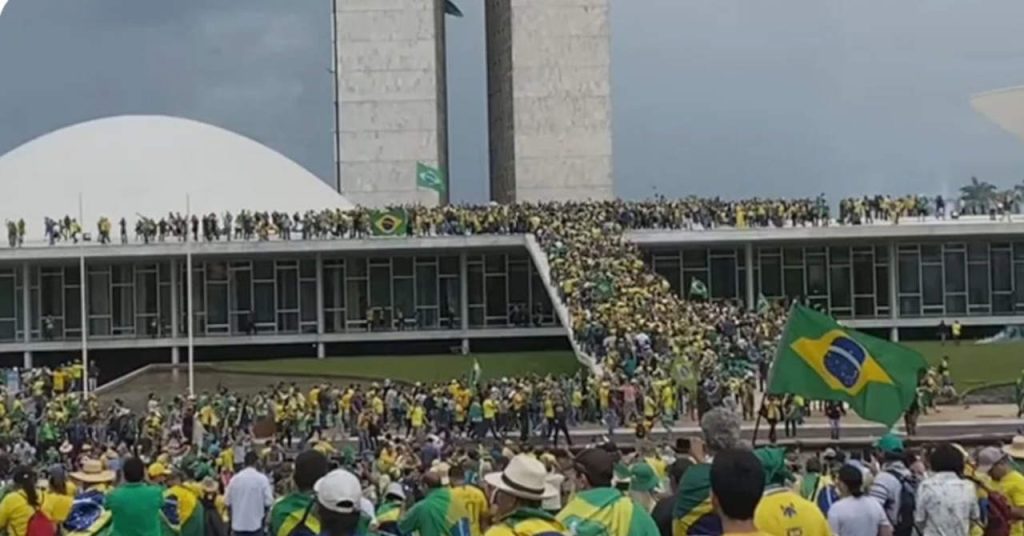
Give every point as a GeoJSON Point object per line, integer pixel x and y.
{"type": "Point", "coordinates": [973, 365]}
{"type": "Point", "coordinates": [414, 368]}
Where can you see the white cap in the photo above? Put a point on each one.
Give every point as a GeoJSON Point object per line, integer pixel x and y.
{"type": "Point", "coordinates": [339, 491]}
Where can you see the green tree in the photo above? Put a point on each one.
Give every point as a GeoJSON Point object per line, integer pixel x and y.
{"type": "Point", "coordinates": [976, 196]}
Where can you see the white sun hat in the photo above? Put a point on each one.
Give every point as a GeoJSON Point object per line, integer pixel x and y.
{"type": "Point", "coordinates": [524, 477]}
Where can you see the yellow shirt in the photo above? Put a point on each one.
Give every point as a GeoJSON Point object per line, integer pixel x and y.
{"type": "Point", "coordinates": [1012, 486]}
{"type": "Point", "coordinates": [490, 409]}
{"type": "Point", "coordinates": [782, 512]}
{"type": "Point", "coordinates": [475, 502]}
{"type": "Point", "coordinates": [416, 416]}
{"type": "Point", "coordinates": [15, 511]}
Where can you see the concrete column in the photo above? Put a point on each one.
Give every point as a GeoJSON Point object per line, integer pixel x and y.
{"type": "Point", "coordinates": [321, 351]}
{"type": "Point", "coordinates": [893, 291]}
{"type": "Point", "coordinates": [748, 264]}
{"type": "Point", "coordinates": [464, 299]}
{"type": "Point", "coordinates": [175, 356]}
{"type": "Point", "coordinates": [26, 359]}
{"type": "Point", "coordinates": [26, 305]}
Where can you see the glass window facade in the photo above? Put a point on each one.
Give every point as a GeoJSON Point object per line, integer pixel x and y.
{"type": "Point", "coordinates": [274, 296]}
{"type": "Point", "coordinates": [934, 279]}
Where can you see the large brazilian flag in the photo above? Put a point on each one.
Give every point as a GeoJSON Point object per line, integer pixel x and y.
{"type": "Point", "coordinates": [821, 360]}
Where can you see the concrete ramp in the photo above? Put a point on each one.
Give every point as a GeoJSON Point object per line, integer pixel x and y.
{"type": "Point", "coordinates": [540, 261]}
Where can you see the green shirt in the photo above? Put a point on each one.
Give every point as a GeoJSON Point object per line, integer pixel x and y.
{"type": "Point", "coordinates": [436, 515]}
{"type": "Point", "coordinates": [135, 510]}
{"type": "Point", "coordinates": [476, 412]}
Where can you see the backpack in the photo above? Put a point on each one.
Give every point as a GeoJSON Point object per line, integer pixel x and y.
{"type": "Point", "coordinates": [40, 525]}
{"type": "Point", "coordinates": [999, 515]}
{"type": "Point", "coordinates": [903, 525]}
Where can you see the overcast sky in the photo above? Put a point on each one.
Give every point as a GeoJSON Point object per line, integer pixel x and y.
{"type": "Point", "coordinates": [726, 97]}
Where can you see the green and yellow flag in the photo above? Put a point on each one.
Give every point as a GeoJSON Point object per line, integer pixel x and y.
{"type": "Point", "coordinates": [431, 178]}
{"type": "Point", "coordinates": [821, 360]}
{"type": "Point", "coordinates": [390, 222]}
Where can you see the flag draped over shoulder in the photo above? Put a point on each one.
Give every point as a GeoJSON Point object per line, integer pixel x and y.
{"type": "Point", "coordinates": [606, 511]}
{"type": "Point", "coordinates": [294, 515]}
{"type": "Point", "coordinates": [821, 360]}
{"type": "Point", "coordinates": [693, 513]}
{"type": "Point", "coordinates": [390, 222]}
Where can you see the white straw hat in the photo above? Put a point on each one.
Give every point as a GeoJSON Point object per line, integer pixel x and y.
{"type": "Point", "coordinates": [524, 477]}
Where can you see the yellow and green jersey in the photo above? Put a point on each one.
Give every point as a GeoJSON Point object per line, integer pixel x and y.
{"type": "Point", "coordinates": [606, 511]}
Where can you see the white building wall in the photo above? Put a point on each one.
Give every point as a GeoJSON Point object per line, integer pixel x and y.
{"type": "Point", "coordinates": [559, 112]}
{"type": "Point", "coordinates": [390, 57]}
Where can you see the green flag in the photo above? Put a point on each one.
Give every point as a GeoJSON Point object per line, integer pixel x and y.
{"type": "Point", "coordinates": [430, 178]}
{"type": "Point", "coordinates": [762, 304]}
{"type": "Point", "coordinates": [474, 374]}
{"type": "Point", "coordinates": [389, 222]}
{"type": "Point", "coordinates": [821, 360]}
{"type": "Point", "coordinates": [698, 289]}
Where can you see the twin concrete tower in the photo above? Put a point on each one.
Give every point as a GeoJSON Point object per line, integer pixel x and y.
{"type": "Point", "coordinates": [549, 99]}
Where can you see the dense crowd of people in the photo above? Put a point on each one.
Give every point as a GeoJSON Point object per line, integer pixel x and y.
{"type": "Point", "coordinates": [196, 467]}
{"type": "Point", "coordinates": [691, 213]}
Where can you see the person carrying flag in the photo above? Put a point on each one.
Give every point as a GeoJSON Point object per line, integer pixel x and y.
{"type": "Point", "coordinates": [599, 508]}
{"type": "Point", "coordinates": [293, 515]}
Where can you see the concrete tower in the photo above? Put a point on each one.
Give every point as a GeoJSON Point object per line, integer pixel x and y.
{"type": "Point", "coordinates": [549, 99]}
{"type": "Point", "coordinates": [391, 100]}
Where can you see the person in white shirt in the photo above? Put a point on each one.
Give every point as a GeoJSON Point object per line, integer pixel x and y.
{"type": "Point", "coordinates": [856, 514]}
{"type": "Point", "coordinates": [248, 496]}
{"type": "Point", "coordinates": [946, 503]}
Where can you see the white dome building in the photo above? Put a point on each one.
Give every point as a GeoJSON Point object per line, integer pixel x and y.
{"type": "Point", "coordinates": [1004, 107]}
{"type": "Point", "coordinates": [129, 166]}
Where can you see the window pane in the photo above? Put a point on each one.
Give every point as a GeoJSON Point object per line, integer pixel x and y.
{"type": "Point", "coordinates": [909, 282]}
{"type": "Point", "coordinates": [771, 276]}
{"type": "Point", "coordinates": [863, 274]}
{"type": "Point", "coordinates": [932, 285]}
{"type": "Point", "coordinates": [307, 301]}
{"type": "Point", "coordinates": [380, 286]}
{"type": "Point", "coordinates": [263, 269]}
{"type": "Point", "coordinates": [794, 281]}
{"type": "Point", "coordinates": [404, 295]}
{"type": "Point", "coordinates": [695, 258]}
{"type": "Point", "coordinates": [355, 299]}
{"type": "Point", "coordinates": [723, 278]}
{"type": "Point", "coordinates": [817, 279]}
{"type": "Point", "coordinates": [1002, 279]}
{"type": "Point", "coordinates": [476, 284]}
{"type": "Point", "coordinates": [264, 302]}
{"type": "Point", "coordinates": [955, 273]}
{"type": "Point", "coordinates": [839, 254]}
{"type": "Point", "coordinates": [518, 284]}
{"type": "Point", "coordinates": [1002, 303]}
{"type": "Point", "coordinates": [840, 283]}
{"type": "Point", "coordinates": [977, 252]}
{"type": "Point", "coordinates": [864, 307]}
{"type": "Point", "coordinates": [217, 297]}
{"type": "Point", "coordinates": [910, 306]}
{"type": "Point", "coordinates": [426, 285]}
{"type": "Point", "coordinates": [977, 290]}
{"type": "Point", "coordinates": [7, 308]}
{"type": "Point", "coordinates": [402, 265]}
{"type": "Point", "coordinates": [450, 308]}
{"type": "Point", "coordinates": [497, 305]}
{"type": "Point", "coordinates": [882, 286]}
{"type": "Point", "coordinates": [956, 305]}
{"type": "Point", "coordinates": [99, 294]}
{"type": "Point", "coordinates": [931, 253]}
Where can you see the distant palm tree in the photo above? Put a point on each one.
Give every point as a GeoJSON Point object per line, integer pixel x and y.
{"type": "Point", "coordinates": [976, 195]}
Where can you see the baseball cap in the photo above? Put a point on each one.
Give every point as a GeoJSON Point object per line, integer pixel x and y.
{"type": "Point", "coordinates": [889, 443]}
{"type": "Point", "coordinates": [988, 457]}
{"type": "Point", "coordinates": [339, 491]}
{"type": "Point", "coordinates": [597, 464]}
